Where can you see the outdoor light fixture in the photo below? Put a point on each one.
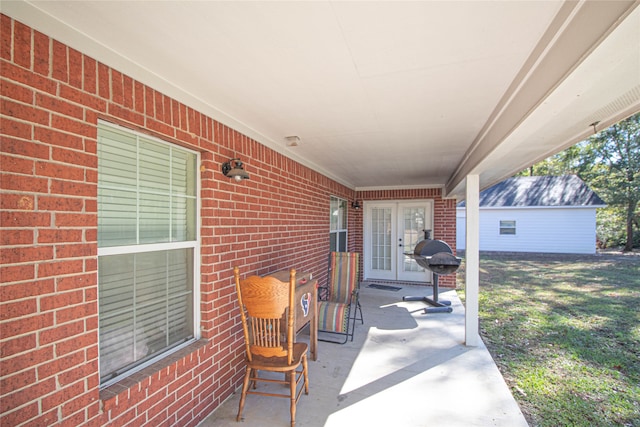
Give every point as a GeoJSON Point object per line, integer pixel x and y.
{"type": "Point", "coordinates": [234, 169]}
{"type": "Point", "coordinates": [356, 205]}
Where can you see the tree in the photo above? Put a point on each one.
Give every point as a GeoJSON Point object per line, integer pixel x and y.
{"type": "Point", "coordinates": [610, 163]}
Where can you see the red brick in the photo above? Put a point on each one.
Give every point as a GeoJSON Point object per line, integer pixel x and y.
{"type": "Point", "coordinates": [20, 416]}
{"type": "Point", "coordinates": [87, 100]}
{"type": "Point", "coordinates": [91, 324]}
{"type": "Point", "coordinates": [16, 165]}
{"type": "Point", "coordinates": [73, 188]}
{"type": "Point", "coordinates": [24, 76]}
{"type": "Point", "coordinates": [23, 183]}
{"type": "Point", "coordinates": [11, 237]}
{"type": "Point", "coordinates": [90, 74]}
{"type": "Point", "coordinates": [76, 281]}
{"type": "Point", "coordinates": [17, 345]}
{"type": "Point", "coordinates": [13, 128]}
{"type": "Point", "coordinates": [57, 203]}
{"type": "Point", "coordinates": [76, 127]}
{"type": "Point", "coordinates": [13, 310]}
{"type": "Point", "coordinates": [26, 324]}
{"type": "Point", "coordinates": [27, 289]}
{"type": "Point", "coordinates": [6, 28]}
{"type": "Point", "coordinates": [75, 68]}
{"type": "Point", "coordinates": [26, 360]}
{"type": "Point", "coordinates": [25, 254]}
{"type": "Point", "coordinates": [77, 220]}
{"type": "Point", "coordinates": [16, 273]}
{"type": "Point", "coordinates": [24, 148]}
{"type": "Point", "coordinates": [139, 97]}
{"type": "Point", "coordinates": [59, 106]}
{"type": "Point", "coordinates": [78, 403]}
{"type": "Point", "coordinates": [54, 137]}
{"type": "Point", "coordinates": [16, 92]}
{"type": "Point", "coordinates": [47, 419]}
{"type": "Point", "coordinates": [59, 235]}
{"type": "Point", "coordinates": [22, 45]}
{"type": "Point", "coordinates": [60, 70]}
{"type": "Point", "coordinates": [75, 250]}
{"type": "Point", "coordinates": [126, 114]}
{"type": "Point", "coordinates": [117, 95]}
{"type": "Point", "coordinates": [56, 268]}
{"type": "Point", "coordinates": [60, 364]}
{"type": "Point", "coordinates": [104, 87]}
{"type": "Point", "coordinates": [61, 299]}
{"type": "Point", "coordinates": [18, 381]}
{"type": "Point", "coordinates": [127, 84]}
{"type": "Point", "coordinates": [27, 394]}
{"type": "Point", "coordinates": [59, 333]}
{"type": "Point", "coordinates": [59, 171]}
{"type": "Point", "coordinates": [24, 112]}
{"type": "Point", "coordinates": [41, 44]}
{"type": "Point", "coordinates": [74, 158]}
{"type": "Point", "coordinates": [78, 342]}
{"type": "Point", "coordinates": [58, 398]}
{"type": "Point", "coordinates": [10, 201]}
{"type": "Point", "coordinates": [77, 312]}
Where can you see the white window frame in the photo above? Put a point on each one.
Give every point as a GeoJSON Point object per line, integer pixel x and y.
{"type": "Point", "coordinates": [341, 228]}
{"type": "Point", "coordinates": [145, 248]}
{"type": "Point", "coordinates": [505, 225]}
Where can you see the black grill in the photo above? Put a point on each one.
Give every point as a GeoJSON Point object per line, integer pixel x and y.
{"type": "Point", "coordinates": [437, 257]}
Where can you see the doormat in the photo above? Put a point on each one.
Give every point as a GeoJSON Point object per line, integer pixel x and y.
{"type": "Point", "coordinates": [384, 287]}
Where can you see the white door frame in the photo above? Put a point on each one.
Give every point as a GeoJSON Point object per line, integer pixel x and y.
{"type": "Point", "coordinates": [392, 252]}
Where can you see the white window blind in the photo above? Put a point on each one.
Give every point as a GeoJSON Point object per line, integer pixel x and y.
{"type": "Point", "coordinates": [147, 247]}
{"type": "Point", "coordinates": [507, 227]}
{"type": "Point", "coordinates": [338, 225]}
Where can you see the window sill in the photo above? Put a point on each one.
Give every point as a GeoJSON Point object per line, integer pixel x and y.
{"type": "Point", "coordinates": [145, 377]}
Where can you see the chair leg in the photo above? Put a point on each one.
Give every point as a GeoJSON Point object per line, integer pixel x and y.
{"type": "Point", "coordinates": [360, 309]}
{"type": "Point", "coordinates": [245, 387]}
{"type": "Point", "coordinates": [305, 372]}
{"type": "Point", "coordinates": [293, 388]}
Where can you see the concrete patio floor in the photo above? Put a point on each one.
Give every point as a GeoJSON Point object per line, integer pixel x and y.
{"type": "Point", "coordinates": [404, 368]}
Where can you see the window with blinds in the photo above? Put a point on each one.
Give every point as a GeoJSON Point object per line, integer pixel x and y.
{"type": "Point", "coordinates": [147, 249]}
{"type": "Point", "coordinates": [338, 225]}
{"type": "Point", "coordinates": [507, 227]}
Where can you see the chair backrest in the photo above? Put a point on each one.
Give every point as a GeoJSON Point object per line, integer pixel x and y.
{"type": "Point", "coordinates": [343, 275]}
{"type": "Point", "coordinates": [267, 310]}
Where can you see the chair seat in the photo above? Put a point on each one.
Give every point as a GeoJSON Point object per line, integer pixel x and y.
{"type": "Point", "coordinates": [279, 364]}
{"type": "Point", "coordinates": [333, 316]}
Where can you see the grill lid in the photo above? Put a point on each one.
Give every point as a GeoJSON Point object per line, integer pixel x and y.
{"type": "Point", "coordinates": [443, 263]}
{"type": "Point", "coordinates": [428, 247]}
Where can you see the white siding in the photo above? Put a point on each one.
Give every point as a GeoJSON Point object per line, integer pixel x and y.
{"type": "Point", "coordinates": [549, 229]}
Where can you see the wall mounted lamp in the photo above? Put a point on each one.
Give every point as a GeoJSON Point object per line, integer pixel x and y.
{"type": "Point", "coordinates": [234, 169]}
{"type": "Point", "coordinates": [356, 205]}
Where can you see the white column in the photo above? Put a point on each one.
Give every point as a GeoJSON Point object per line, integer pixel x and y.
{"type": "Point", "coordinates": [472, 260]}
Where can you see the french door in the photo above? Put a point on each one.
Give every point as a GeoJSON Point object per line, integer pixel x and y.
{"type": "Point", "coordinates": [392, 228]}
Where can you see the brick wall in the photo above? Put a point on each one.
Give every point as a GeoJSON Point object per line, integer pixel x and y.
{"type": "Point", "coordinates": [52, 99]}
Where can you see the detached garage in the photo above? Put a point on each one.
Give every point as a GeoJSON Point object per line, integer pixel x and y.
{"type": "Point", "coordinates": [535, 214]}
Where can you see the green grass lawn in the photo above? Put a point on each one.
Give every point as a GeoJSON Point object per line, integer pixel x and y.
{"type": "Point", "coordinates": [565, 332]}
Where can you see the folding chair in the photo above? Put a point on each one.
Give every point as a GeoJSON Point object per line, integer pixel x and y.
{"type": "Point", "coordinates": [267, 311]}
{"type": "Point", "coordinates": [339, 305]}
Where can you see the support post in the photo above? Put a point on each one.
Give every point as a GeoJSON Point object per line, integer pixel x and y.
{"type": "Point", "coordinates": [472, 258]}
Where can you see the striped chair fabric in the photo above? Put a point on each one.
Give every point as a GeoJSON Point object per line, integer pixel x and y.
{"type": "Point", "coordinates": [338, 313]}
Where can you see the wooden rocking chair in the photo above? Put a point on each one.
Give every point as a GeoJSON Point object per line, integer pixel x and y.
{"type": "Point", "coordinates": [267, 313]}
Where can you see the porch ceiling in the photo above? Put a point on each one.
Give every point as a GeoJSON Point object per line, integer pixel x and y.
{"type": "Point", "coordinates": [382, 94]}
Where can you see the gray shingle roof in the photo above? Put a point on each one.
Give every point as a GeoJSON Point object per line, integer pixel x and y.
{"type": "Point", "coordinates": [566, 190]}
